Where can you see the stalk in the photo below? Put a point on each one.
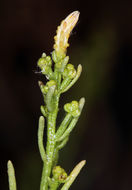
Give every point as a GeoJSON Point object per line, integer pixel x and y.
{"type": "Point", "coordinates": [47, 166]}
{"type": "Point", "coordinates": [60, 76]}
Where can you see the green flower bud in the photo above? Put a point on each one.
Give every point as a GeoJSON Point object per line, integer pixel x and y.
{"type": "Point", "coordinates": [69, 72]}
{"type": "Point", "coordinates": [72, 108]}
{"type": "Point", "coordinates": [49, 61]}
{"type": "Point", "coordinates": [74, 105]}
{"type": "Point", "coordinates": [59, 174]}
{"type": "Point", "coordinates": [76, 113]}
{"type": "Point", "coordinates": [43, 55]}
{"type": "Point", "coordinates": [51, 83]}
{"type": "Point", "coordinates": [44, 63]}
{"type": "Point", "coordinates": [45, 88]}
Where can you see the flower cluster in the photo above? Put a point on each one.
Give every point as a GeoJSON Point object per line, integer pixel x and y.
{"type": "Point", "coordinates": [72, 108]}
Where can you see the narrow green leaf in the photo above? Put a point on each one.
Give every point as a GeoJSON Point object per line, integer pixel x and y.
{"type": "Point", "coordinates": [11, 176]}
{"type": "Point", "coordinates": [69, 129]}
{"type": "Point", "coordinates": [40, 138]}
{"type": "Point", "coordinates": [73, 175]}
{"type": "Point", "coordinates": [63, 143]}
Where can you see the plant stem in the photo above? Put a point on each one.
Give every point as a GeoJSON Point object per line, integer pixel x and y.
{"type": "Point", "coordinates": [54, 186]}
{"type": "Point", "coordinates": [51, 125]}
{"type": "Point", "coordinates": [63, 125]}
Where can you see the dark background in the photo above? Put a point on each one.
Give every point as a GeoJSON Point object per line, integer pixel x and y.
{"type": "Point", "coordinates": [102, 43]}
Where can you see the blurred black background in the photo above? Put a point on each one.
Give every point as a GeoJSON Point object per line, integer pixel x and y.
{"type": "Point", "coordinates": [102, 43]}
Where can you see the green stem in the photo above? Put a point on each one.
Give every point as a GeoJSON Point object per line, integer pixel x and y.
{"type": "Point", "coordinates": [51, 124]}
{"type": "Point", "coordinates": [55, 157]}
{"type": "Point", "coordinates": [56, 150]}
{"type": "Point", "coordinates": [59, 80]}
{"type": "Point", "coordinates": [54, 186]}
{"type": "Point", "coordinates": [63, 125]}
{"type": "Point", "coordinates": [57, 76]}
{"type": "Point", "coordinates": [69, 129]}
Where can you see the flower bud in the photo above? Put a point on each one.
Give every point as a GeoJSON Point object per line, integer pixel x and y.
{"type": "Point", "coordinates": [72, 108]}
{"type": "Point", "coordinates": [59, 174]}
{"type": "Point", "coordinates": [69, 72]}
{"type": "Point", "coordinates": [48, 85]}
{"type": "Point", "coordinates": [49, 61]}
{"type": "Point", "coordinates": [44, 63]}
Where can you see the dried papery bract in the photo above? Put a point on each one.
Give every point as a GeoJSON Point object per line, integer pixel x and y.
{"type": "Point", "coordinates": [63, 33]}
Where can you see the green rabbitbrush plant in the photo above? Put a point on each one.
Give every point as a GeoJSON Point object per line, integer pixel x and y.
{"type": "Point", "coordinates": [61, 76]}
